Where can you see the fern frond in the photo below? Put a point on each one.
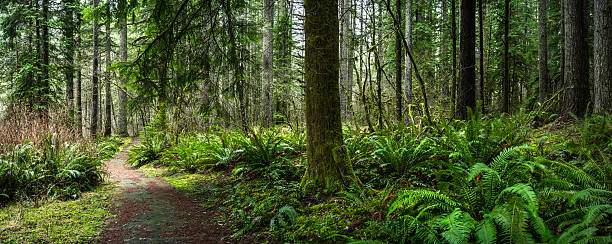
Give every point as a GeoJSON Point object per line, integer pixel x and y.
{"type": "Point", "coordinates": [458, 227]}
{"type": "Point", "coordinates": [524, 191]}
{"type": "Point", "coordinates": [486, 231]}
{"type": "Point", "coordinates": [412, 198]}
{"type": "Point", "coordinates": [591, 196]}
{"type": "Point", "coordinates": [500, 161]}
{"type": "Point", "coordinates": [597, 213]}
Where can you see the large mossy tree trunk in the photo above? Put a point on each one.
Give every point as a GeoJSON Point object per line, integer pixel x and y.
{"type": "Point", "coordinates": [329, 165]}
{"type": "Point", "coordinates": [577, 94]}
{"type": "Point", "coordinates": [466, 93]}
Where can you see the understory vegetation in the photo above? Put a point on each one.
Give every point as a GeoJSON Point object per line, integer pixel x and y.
{"type": "Point", "coordinates": [485, 179]}
{"type": "Point", "coordinates": [31, 172]}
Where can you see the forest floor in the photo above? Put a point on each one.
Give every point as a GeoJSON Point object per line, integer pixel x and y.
{"type": "Point", "coordinates": [150, 210]}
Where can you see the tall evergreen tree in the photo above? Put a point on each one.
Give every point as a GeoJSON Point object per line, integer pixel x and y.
{"type": "Point", "coordinates": [93, 128]}
{"type": "Point", "coordinates": [577, 94]}
{"type": "Point", "coordinates": [466, 92]}
{"type": "Point", "coordinates": [542, 52]}
{"type": "Point", "coordinates": [268, 62]}
{"type": "Point", "coordinates": [329, 165]}
{"type": "Point", "coordinates": [398, 66]}
{"type": "Point", "coordinates": [602, 62]}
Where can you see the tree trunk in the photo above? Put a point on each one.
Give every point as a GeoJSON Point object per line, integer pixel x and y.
{"type": "Point", "coordinates": [398, 67]}
{"type": "Point", "coordinates": [544, 87]}
{"type": "Point", "coordinates": [69, 53]}
{"type": "Point", "coordinates": [481, 53]}
{"type": "Point", "coordinates": [443, 51]}
{"type": "Point", "coordinates": [602, 62]}
{"type": "Point", "coordinates": [78, 93]}
{"type": "Point", "coordinates": [329, 165]}
{"type": "Point", "coordinates": [93, 130]}
{"type": "Point", "coordinates": [237, 68]}
{"type": "Point", "coordinates": [407, 66]}
{"type": "Point", "coordinates": [122, 124]}
{"type": "Point", "coordinates": [268, 62]}
{"type": "Point", "coordinates": [346, 52]}
{"type": "Point", "coordinates": [576, 59]}
{"type": "Point", "coordinates": [107, 76]}
{"type": "Point", "coordinates": [466, 94]}
{"type": "Point", "coordinates": [506, 81]}
{"type": "Point", "coordinates": [45, 85]}
{"type": "Point", "coordinates": [454, 38]}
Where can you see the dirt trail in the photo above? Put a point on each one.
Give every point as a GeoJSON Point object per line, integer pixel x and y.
{"type": "Point", "coordinates": [150, 210]}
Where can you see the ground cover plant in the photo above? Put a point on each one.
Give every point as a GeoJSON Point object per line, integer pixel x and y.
{"type": "Point", "coordinates": [485, 180]}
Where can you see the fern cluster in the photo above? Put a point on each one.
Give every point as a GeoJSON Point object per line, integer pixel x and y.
{"type": "Point", "coordinates": [64, 171]}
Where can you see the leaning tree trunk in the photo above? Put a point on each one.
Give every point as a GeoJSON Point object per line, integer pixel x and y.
{"type": "Point", "coordinates": [542, 53]}
{"type": "Point", "coordinates": [329, 165]}
{"type": "Point", "coordinates": [576, 58]}
{"type": "Point", "coordinates": [122, 127]}
{"type": "Point", "coordinates": [93, 130]}
{"type": "Point", "coordinates": [268, 63]}
{"type": "Point", "coordinates": [466, 94]}
{"type": "Point", "coordinates": [602, 62]}
{"type": "Point", "coordinates": [107, 76]}
{"type": "Point", "coordinates": [398, 66]}
{"type": "Point", "coordinates": [407, 65]}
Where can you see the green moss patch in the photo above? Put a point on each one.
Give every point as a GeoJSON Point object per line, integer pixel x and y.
{"type": "Point", "coordinates": [56, 221]}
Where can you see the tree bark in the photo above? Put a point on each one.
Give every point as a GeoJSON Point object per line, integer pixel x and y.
{"type": "Point", "coordinates": [544, 87]}
{"type": "Point", "coordinates": [481, 54]}
{"type": "Point", "coordinates": [576, 58]}
{"type": "Point", "coordinates": [466, 94]}
{"type": "Point", "coordinates": [268, 62]}
{"type": "Point", "coordinates": [454, 38]}
{"type": "Point", "coordinates": [93, 129]}
{"type": "Point", "coordinates": [443, 51]}
{"type": "Point", "coordinates": [122, 125]}
{"type": "Point", "coordinates": [69, 53]}
{"type": "Point", "coordinates": [347, 63]}
{"type": "Point", "coordinates": [602, 62]}
{"type": "Point", "coordinates": [407, 66]}
{"type": "Point", "coordinates": [78, 90]}
{"type": "Point", "coordinates": [329, 165]}
{"type": "Point", "coordinates": [107, 76]}
{"type": "Point", "coordinates": [398, 66]}
{"type": "Point", "coordinates": [506, 81]}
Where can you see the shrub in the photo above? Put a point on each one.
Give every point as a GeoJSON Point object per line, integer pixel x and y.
{"type": "Point", "coordinates": [52, 170]}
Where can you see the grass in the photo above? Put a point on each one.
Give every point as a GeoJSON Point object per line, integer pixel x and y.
{"type": "Point", "coordinates": [74, 221]}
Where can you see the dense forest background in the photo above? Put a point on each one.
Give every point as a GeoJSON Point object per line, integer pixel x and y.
{"type": "Point", "coordinates": [115, 64]}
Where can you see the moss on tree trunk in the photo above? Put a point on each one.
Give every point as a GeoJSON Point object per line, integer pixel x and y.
{"type": "Point", "coordinates": [329, 165]}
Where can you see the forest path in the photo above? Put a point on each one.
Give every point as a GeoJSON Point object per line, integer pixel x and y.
{"type": "Point", "coordinates": [150, 210]}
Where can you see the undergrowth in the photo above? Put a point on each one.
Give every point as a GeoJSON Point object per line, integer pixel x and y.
{"type": "Point", "coordinates": [485, 180]}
